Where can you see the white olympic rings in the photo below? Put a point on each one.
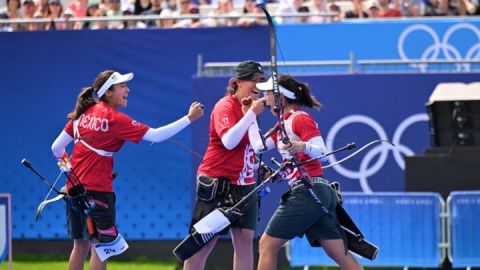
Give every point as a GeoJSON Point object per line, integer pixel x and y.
{"type": "Point", "coordinates": [449, 51]}
{"type": "Point", "coordinates": [382, 149]}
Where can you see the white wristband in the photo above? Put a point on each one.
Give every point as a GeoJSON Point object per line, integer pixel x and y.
{"type": "Point", "coordinates": [308, 148]}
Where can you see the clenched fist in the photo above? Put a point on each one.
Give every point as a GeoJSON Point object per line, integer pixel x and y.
{"type": "Point", "coordinates": [195, 111]}
{"type": "Point", "coordinates": [256, 106]}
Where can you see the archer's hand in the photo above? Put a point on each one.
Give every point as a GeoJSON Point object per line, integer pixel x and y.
{"type": "Point", "coordinates": [64, 164]}
{"type": "Point", "coordinates": [257, 106]}
{"type": "Point", "coordinates": [195, 111]}
{"type": "Point", "coordinates": [246, 104]}
{"type": "Point", "coordinates": [294, 147]}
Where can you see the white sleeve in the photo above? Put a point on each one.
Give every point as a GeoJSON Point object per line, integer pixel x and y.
{"type": "Point", "coordinates": [60, 143]}
{"type": "Point", "coordinates": [166, 132]}
{"type": "Point", "coordinates": [315, 147]}
{"type": "Point", "coordinates": [256, 140]}
{"type": "Point", "coordinates": [235, 134]}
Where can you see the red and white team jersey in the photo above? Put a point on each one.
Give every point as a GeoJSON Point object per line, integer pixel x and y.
{"type": "Point", "coordinates": [236, 164]}
{"type": "Point", "coordinates": [103, 128]}
{"type": "Point", "coordinates": [299, 126]}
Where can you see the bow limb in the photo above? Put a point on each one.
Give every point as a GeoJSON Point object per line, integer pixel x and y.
{"type": "Point", "coordinates": [279, 108]}
{"type": "Point", "coordinates": [356, 152]}
{"type": "Point", "coordinates": [46, 201]}
{"type": "Point", "coordinates": [273, 48]}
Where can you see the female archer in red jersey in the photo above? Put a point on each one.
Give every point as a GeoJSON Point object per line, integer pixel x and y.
{"type": "Point", "coordinates": [99, 130]}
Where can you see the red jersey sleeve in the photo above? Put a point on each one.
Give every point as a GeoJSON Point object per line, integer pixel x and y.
{"type": "Point", "coordinates": [127, 129]}
{"type": "Point", "coordinates": [69, 128]}
{"type": "Point", "coordinates": [224, 118]}
{"type": "Point", "coordinates": [305, 127]}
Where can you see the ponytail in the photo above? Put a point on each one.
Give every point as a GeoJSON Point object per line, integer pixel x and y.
{"type": "Point", "coordinates": [88, 97]}
{"type": "Point", "coordinates": [306, 98]}
{"type": "Point", "coordinates": [84, 101]}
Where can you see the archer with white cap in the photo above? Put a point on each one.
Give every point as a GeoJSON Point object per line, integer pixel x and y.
{"type": "Point", "coordinates": [99, 130]}
{"type": "Point", "coordinates": [299, 213]}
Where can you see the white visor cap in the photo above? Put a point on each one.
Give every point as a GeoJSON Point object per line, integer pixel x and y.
{"type": "Point", "coordinates": [115, 78]}
{"type": "Point", "coordinates": [268, 86]}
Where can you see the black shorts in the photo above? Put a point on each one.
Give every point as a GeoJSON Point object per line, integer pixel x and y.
{"type": "Point", "coordinates": [250, 211]}
{"type": "Point", "coordinates": [299, 214]}
{"type": "Point", "coordinates": [77, 220]}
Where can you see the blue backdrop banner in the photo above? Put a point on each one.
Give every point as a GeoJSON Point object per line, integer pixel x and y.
{"type": "Point", "coordinates": [446, 39]}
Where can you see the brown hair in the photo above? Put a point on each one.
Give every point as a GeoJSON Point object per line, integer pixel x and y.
{"type": "Point", "coordinates": [86, 97]}
{"type": "Point", "coordinates": [232, 86]}
{"type": "Point", "coordinates": [19, 3]}
{"type": "Point", "coordinates": [301, 90]}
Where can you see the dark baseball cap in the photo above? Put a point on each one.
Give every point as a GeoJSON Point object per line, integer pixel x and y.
{"type": "Point", "coordinates": [249, 70]}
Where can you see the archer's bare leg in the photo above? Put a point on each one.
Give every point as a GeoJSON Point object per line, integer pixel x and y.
{"type": "Point", "coordinates": [78, 254]}
{"type": "Point", "coordinates": [336, 250]}
{"type": "Point", "coordinates": [198, 261]}
{"type": "Point", "coordinates": [95, 263]}
{"type": "Point", "coordinates": [243, 248]}
{"type": "Point", "coordinates": [269, 247]}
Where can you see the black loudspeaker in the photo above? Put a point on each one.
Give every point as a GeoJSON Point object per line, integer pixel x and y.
{"type": "Point", "coordinates": [454, 114]}
{"type": "Point", "coordinates": [454, 123]}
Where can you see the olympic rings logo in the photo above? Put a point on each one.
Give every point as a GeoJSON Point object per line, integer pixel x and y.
{"type": "Point", "coordinates": [381, 149]}
{"type": "Point", "coordinates": [444, 46]}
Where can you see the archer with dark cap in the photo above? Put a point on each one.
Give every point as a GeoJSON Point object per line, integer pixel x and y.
{"type": "Point", "coordinates": [249, 70]}
{"type": "Point", "coordinates": [229, 159]}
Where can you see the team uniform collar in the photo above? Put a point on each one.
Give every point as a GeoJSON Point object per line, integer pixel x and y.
{"type": "Point", "coordinates": [289, 113]}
